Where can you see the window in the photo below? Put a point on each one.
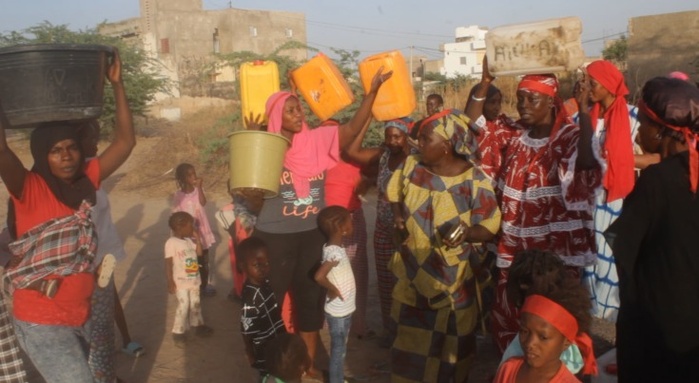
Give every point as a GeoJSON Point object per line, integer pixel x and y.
{"type": "Point", "coordinates": [463, 60]}
{"type": "Point", "coordinates": [253, 31]}
{"type": "Point", "coordinates": [217, 41]}
{"type": "Point", "coordinates": [289, 33]}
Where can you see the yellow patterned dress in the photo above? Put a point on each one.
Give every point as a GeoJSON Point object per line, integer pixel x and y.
{"type": "Point", "coordinates": [434, 298]}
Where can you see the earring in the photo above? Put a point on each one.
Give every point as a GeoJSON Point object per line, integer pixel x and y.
{"type": "Point", "coordinates": [658, 136]}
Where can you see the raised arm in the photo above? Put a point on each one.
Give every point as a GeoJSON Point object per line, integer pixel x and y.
{"type": "Point", "coordinates": [124, 136]}
{"type": "Point", "coordinates": [12, 171]}
{"type": "Point", "coordinates": [359, 155]}
{"type": "Point", "coordinates": [350, 130]}
{"type": "Point", "coordinates": [474, 105]}
{"type": "Point", "coordinates": [586, 158]}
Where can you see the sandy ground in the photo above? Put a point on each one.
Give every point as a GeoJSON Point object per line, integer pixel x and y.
{"type": "Point", "coordinates": [141, 219]}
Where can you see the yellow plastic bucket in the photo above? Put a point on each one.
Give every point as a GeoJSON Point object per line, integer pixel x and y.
{"type": "Point", "coordinates": [256, 160]}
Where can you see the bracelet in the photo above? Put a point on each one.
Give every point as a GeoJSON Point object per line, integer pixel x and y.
{"type": "Point", "coordinates": [474, 98]}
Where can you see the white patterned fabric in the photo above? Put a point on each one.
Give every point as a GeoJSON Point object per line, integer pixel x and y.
{"type": "Point", "coordinates": [601, 278]}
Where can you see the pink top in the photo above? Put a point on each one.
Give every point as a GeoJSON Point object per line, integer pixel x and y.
{"type": "Point", "coordinates": [189, 202]}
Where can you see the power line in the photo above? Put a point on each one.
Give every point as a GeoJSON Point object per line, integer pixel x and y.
{"type": "Point", "coordinates": [604, 37]}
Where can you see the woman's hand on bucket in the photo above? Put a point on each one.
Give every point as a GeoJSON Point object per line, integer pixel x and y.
{"type": "Point", "coordinates": [114, 69]}
{"type": "Point", "coordinates": [254, 122]}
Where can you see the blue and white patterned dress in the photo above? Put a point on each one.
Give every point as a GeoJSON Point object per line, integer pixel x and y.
{"type": "Point", "coordinates": [601, 278]}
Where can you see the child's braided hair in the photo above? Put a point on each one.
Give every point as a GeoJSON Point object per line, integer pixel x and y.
{"type": "Point", "coordinates": [181, 174]}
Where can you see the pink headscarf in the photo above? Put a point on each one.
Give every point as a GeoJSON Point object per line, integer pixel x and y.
{"type": "Point", "coordinates": [311, 151]}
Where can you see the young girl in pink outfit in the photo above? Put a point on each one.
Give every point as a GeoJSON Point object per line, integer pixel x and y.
{"type": "Point", "coordinates": [190, 198]}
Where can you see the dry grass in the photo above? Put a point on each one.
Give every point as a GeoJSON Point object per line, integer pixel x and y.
{"type": "Point", "coordinates": [151, 168]}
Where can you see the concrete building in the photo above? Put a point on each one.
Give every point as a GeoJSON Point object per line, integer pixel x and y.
{"type": "Point", "coordinates": [465, 55]}
{"type": "Point", "coordinates": [184, 38]}
{"type": "Point", "coordinates": [660, 44]}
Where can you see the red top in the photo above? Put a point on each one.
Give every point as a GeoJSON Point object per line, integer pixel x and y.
{"type": "Point", "coordinates": [340, 182]}
{"type": "Point", "coordinates": [71, 304]}
{"type": "Point", "coordinates": [507, 373]}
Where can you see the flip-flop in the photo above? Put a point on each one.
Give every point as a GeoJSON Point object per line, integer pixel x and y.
{"type": "Point", "coordinates": [106, 270]}
{"type": "Point", "coordinates": [133, 349]}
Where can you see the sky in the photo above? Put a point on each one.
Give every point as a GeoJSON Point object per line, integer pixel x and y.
{"type": "Point", "coordinates": [373, 26]}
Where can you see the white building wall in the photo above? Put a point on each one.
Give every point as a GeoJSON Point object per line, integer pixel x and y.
{"type": "Point", "coordinates": [465, 56]}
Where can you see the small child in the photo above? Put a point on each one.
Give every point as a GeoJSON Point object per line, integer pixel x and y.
{"type": "Point", "coordinates": [542, 273]}
{"type": "Point", "coordinates": [181, 251]}
{"type": "Point", "coordinates": [287, 359]}
{"type": "Point", "coordinates": [260, 319]}
{"type": "Point", "coordinates": [335, 274]}
{"type": "Point", "coordinates": [238, 218]}
{"type": "Point", "coordinates": [190, 198]}
{"type": "Point", "coordinates": [550, 325]}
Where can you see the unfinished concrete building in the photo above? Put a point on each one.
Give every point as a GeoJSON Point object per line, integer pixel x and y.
{"type": "Point", "coordinates": [660, 44]}
{"type": "Point", "coordinates": [184, 38]}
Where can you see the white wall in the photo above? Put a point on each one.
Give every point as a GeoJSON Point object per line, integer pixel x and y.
{"type": "Point", "coordinates": [465, 56]}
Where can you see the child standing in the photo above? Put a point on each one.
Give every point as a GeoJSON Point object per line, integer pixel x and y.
{"type": "Point", "coordinates": [260, 319]}
{"type": "Point", "coordinates": [287, 359]}
{"type": "Point", "coordinates": [190, 198]}
{"type": "Point", "coordinates": [335, 274]}
{"type": "Point", "coordinates": [550, 325]}
{"type": "Point", "coordinates": [181, 252]}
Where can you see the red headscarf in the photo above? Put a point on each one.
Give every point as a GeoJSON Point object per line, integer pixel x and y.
{"type": "Point", "coordinates": [311, 151]}
{"type": "Point", "coordinates": [564, 322]}
{"type": "Point", "coordinates": [546, 84]}
{"type": "Point", "coordinates": [618, 145]}
{"type": "Point", "coordinates": [690, 137]}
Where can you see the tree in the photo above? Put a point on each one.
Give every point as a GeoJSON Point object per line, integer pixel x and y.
{"type": "Point", "coordinates": [284, 62]}
{"type": "Point", "coordinates": [617, 52]}
{"type": "Point", "coordinates": [141, 79]}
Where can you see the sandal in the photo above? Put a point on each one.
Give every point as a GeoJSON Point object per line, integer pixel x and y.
{"type": "Point", "coordinates": [106, 270]}
{"type": "Point", "coordinates": [133, 349]}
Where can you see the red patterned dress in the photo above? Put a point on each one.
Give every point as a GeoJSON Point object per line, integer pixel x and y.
{"type": "Point", "coordinates": [493, 142]}
{"type": "Point", "coordinates": [546, 205]}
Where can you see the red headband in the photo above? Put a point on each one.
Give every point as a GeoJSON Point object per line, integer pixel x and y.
{"type": "Point", "coordinates": [690, 137]}
{"type": "Point", "coordinates": [536, 83]}
{"type": "Point", "coordinates": [433, 117]}
{"type": "Point", "coordinates": [564, 322]}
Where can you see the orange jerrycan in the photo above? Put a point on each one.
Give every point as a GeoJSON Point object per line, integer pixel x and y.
{"type": "Point", "coordinates": [322, 86]}
{"type": "Point", "coordinates": [258, 80]}
{"type": "Point", "coordinates": [396, 97]}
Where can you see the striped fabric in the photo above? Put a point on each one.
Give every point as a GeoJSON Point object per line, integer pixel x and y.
{"type": "Point", "coordinates": [356, 250]}
{"type": "Point", "coordinates": [601, 278]}
{"type": "Point", "coordinates": [383, 252]}
{"type": "Point", "coordinates": [383, 245]}
{"type": "Point", "coordinates": [11, 365]}
{"type": "Point", "coordinates": [59, 247]}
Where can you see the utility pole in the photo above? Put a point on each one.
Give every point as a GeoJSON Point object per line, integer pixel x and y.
{"type": "Point", "coordinates": [411, 64]}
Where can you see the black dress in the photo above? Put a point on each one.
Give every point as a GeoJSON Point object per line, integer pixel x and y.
{"type": "Point", "coordinates": [656, 248]}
